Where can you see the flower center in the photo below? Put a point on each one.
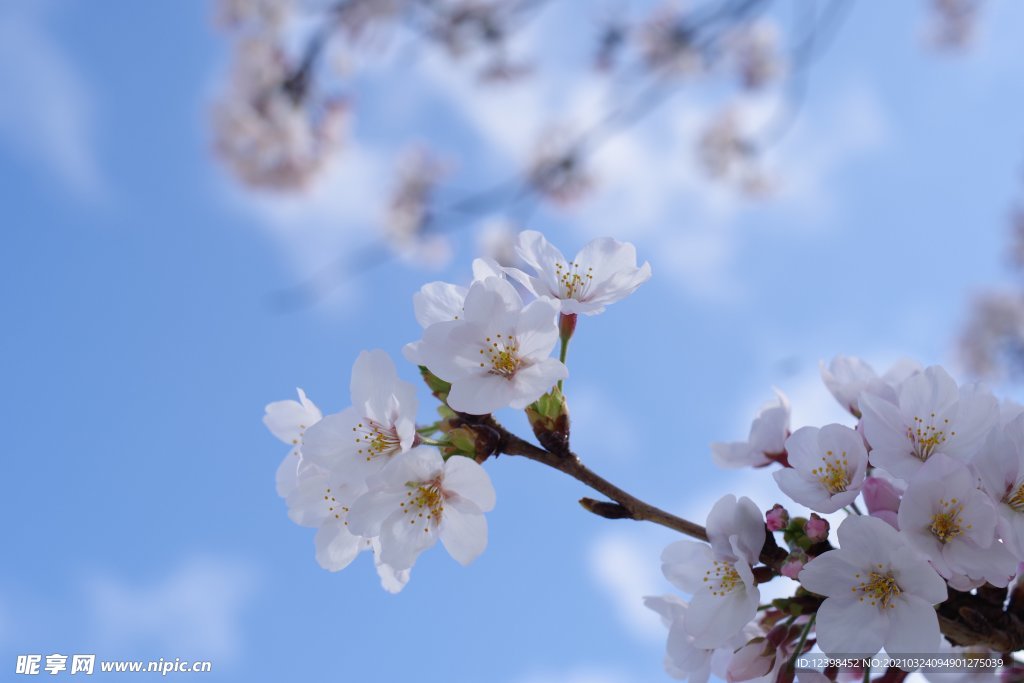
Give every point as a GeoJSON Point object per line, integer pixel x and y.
{"type": "Point", "coordinates": [374, 439]}
{"type": "Point", "coordinates": [833, 474]}
{"type": "Point", "coordinates": [926, 437]}
{"type": "Point", "coordinates": [722, 578]}
{"type": "Point", "coordinates": [501, 353]}
{"type": "Point", "coordinates": [1015, 499]}
{"type": "Point", "coordinates": [946, 525]}
{"type": "Point", "coordinates": [425, 502]}
{"type": "Point", "coordinates": [572, 282]}
{"type": "Point", "coordinates": [880, 589]}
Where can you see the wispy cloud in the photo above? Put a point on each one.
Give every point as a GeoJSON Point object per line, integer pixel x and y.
{"type": "Point", "coordinates": [47, 111]}
{"type": "Point", "coordinates": [196, 610]}
{"type": "Point", "coordinates": [627, 569]}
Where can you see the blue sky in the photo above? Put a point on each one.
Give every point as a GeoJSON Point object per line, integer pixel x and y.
{"type": "Point", "coordinates": [139, 349]}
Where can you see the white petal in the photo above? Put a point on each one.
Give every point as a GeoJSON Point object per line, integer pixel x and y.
{"type": "Point", "coordinates": [684, 563]}
{"type": "Point", "coordinates": [711, 620]}
{"type": "Point", "coordinates": [463, 532]}
{"type": "Point", "coordinates": [336, 547]}
{"type": "Point", "coordinates": [847, 626]}
{"type": "Point", "coordinates": [470, 481]}
{"type": "Point", "coordinates": [369, 511]}
{"type": "Point", "coordinates": [913, 628]}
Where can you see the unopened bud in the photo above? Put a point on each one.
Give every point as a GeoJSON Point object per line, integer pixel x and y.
{"type": "Point", "coordinates": [777, 518]}
{"type": "Point", "coordinates": [549, 418]}
{"type": "Point", "coordinates": [793, 564]}
{"type": "Point", "coordinates": [816, 529]}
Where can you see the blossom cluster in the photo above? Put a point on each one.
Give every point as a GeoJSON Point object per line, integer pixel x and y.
{"type": "Point", "coordinates": [370, 478]}
{"type": "Point", "coordinates": [939, 468]}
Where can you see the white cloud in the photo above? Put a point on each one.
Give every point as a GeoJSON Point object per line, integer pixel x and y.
{"type": "Point", "coordinates": [194, 612]}
{"type": "Point", "coordinates": [47, 110]}
{"type": "Point", "coordinates": [627, 569]}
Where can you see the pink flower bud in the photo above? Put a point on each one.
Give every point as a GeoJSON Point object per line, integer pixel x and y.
{"type": "Point", "coordinates": [816, 529]}
{"type": "Point", "coordinates": [793, 564]}
{"type": "Point", "coordinates": [756, 659]}
{"type": "Point", "coordinates": [882, 499]}
{"type": "Point", "coordinates": [777, 518]}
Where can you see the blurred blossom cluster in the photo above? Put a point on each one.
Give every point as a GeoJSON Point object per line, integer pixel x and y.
{"type": "Point", "coordinates": [953, 23]}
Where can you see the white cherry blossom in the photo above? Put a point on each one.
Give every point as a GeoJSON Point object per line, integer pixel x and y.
{"type": "Point", "coordinates": [496, 355]}
{"type": "Point", "coordinates": [930, 415]}
{"type": "Point", "coordinates": [948, 519]}
{"type": "Point", "coordinates": [1000, 466]}
{"type": "Point", "coordinates": [847, 377]}
{"type": "Point", "coordinates": [718, 576]}
{"type": "Point", "coordinates": [766, 441]}
{"type": "Point", "coordinates": [288, 421]}
{"type": "Point", "coordinates": [420, 498]}
{"type": "Point", "coordinates": [879, 592]}
{"type": "Point", "coordinates": [360, 440]}
{"type": "Point", "coordinates": [828, 467]}
{"type": "Point", "coordinates": [684, 660]}
{"type": "Point", "coordinates": [603, 272]}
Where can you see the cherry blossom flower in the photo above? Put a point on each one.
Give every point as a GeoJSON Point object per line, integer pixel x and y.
{"type": "Point", "coordinates": [947, 518]}
{"type": "Point", "coordinates": [766, 441]}
{"type": "Point", "coordinates": [931, 415]}
{"type": "Point", "coordinates": [288, 421]}
{"type": "Point", "coordinates": [718, 576]}
{"type": "Point", "coordinates": [420, 498]}
{"type": "Point", "coordinates": [828, 467]}
{"type": "Point", "coordinates": [360, 440]}
{"type": "Point", "coordinates": [683, 659]}
{"type": "Point", "coordinates": [1000, 466]}
{"type": "Point", "coordinates": [496, 355]}
{"type": "Point", "coordinates": [847, 377]}
{"type": "Point", "coordinates": [603, 272]}
{"type": "Point", "coordinates": [879, 592]}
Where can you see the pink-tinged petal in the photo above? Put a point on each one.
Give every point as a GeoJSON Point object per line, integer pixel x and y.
{"type": "Point", "coordinates": [711, 620]}
{"type": "Point", "coordinates": [470, 481]}
{"type": "Point", "coordinates": [829, 574]}
{"type": "Point", "coordinates": [884, 425]}
{"type": "Point", "coordinates": [369, 511]}
{"type": "Point", "coordinates": [932, 391]}
{"type": "Point", "coordinates": [913, 628]}
{"type": "Point", "coordinates": [1011, 527]}
{"type": "Point", "coordinates": [847, 626]}
{"type": "Point", "coordinates": [463, 532]}
{"type": "Point", "coordinates": [438, 302]}
{"type": "Point", "coordinates": [336, 547]}
{"type": "Point", "coordinates": [684, 563]}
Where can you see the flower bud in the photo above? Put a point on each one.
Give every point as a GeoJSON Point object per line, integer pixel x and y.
{"type": "Point", "coordinates": [777, 518]}
{"type": "Point", "coordinates": [549, 418]}
{"type": "Point", "coordinates": [882, 499]}
{"type": "Point", "coordinates": [816, 529]}
{"type": "Point", "coordinates": [438, 387]}
{"type": "Point", "coordinates": [793, 564]}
